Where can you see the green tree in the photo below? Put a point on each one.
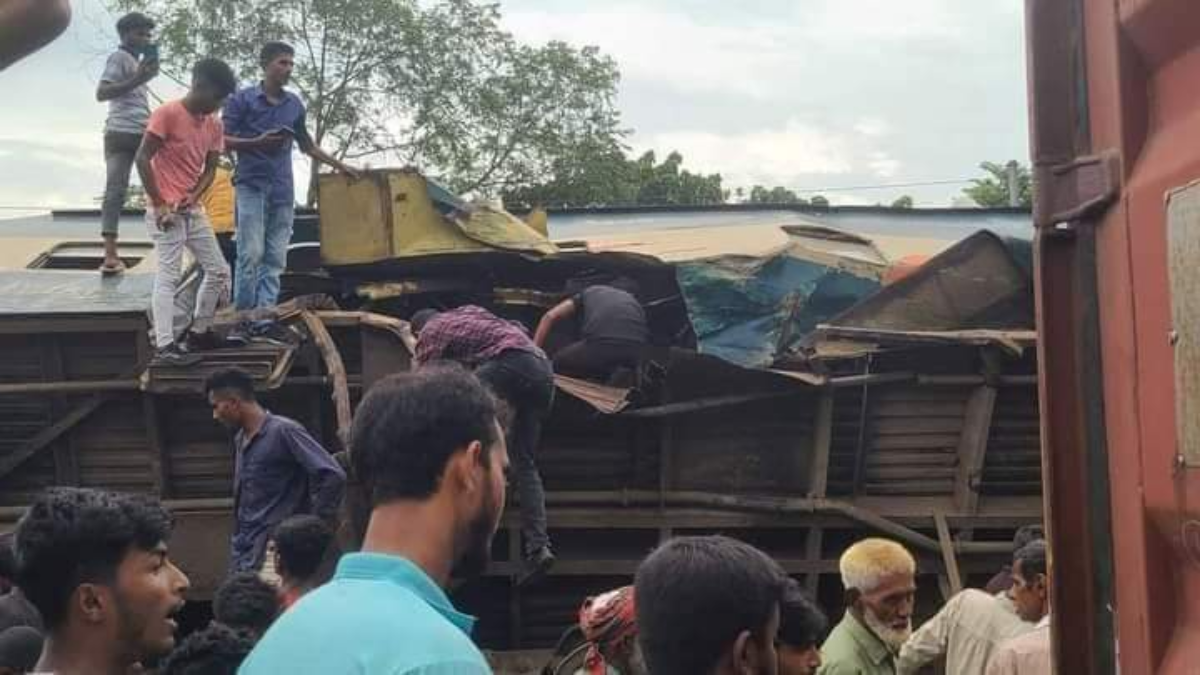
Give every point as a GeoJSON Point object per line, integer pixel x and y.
{"type": "Point", "coordinates": [819, 200]}
{"type": "Point", "coordinates": [606, 178]}
{"type": "Point", "coordinates": [775, 195]}
{"type": "Point", "coordinates": [992, 190]}
{"type": "Point", "coordinates": [437, 85]}
{"type": "Point", "coordinates": [903, 202]}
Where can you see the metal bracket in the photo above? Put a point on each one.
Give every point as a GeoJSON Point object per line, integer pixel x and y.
{"type": "Point", "coordinates": [1077, 189]}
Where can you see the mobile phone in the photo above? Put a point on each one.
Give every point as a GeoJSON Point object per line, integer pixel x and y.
{"type": "Point", "coordinates": [150, 52]}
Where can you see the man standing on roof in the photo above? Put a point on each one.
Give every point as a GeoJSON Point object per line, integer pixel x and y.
{"type": "Point", "coordinates": [505, 359]}
{"type": "Point", "coordinates": [123, 87]}
{"type": "Point", "coordinates": [176, 161]}
{"type": "Point", "coordinates": [612, 329]}
{"type": "Point", "coordinates": [279, 470]}
{"type": "Point", "coordinates": [261, 122]}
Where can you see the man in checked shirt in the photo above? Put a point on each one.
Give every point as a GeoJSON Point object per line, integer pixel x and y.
{"type": "Point", "coordinates": [505, 358]}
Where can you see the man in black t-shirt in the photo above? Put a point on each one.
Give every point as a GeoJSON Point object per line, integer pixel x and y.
{"type": "Point", "coordinates": [612, 333]}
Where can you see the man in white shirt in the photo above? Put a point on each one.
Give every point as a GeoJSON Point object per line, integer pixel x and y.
{"type": "Point", "coordinates": [1028, 654]}
{"type": "Point", "coordinates": [966, 631]}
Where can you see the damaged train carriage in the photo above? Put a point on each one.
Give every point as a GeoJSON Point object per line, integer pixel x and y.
{"type": "Point", "coordinates": [853, 422]}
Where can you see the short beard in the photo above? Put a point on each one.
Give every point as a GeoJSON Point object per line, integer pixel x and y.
{"type": "Point", "coordinates": [891, 637]}
{"type": "Point", "coordinates": [475, 559]}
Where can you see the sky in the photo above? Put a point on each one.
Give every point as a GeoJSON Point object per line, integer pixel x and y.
{"type": "Point", "coordinates": [807, 94]}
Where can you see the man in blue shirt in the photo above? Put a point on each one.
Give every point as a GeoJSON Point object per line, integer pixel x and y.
{"type": "Point", "coordinates": [279, 469]}
{"type": "Point", "coordinates": [261, 122]}
{"type": "Point", "coordinates": [430, 453]}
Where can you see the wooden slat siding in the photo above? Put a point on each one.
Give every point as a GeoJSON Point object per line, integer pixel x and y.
{"type": "Point", "coordinates": [913, 439]}
{"type": "Point", "coordinates": [66, 468]}
{"type": "Point", "coordinates": [749, 448]}
{"type": "Point", "coordinates": [112, 451]}
{"type": "Point", "coordinates": [1012, 465]}
{"type": "Point", "coordinates": [843, 440]}
{"type": "Point", "coordinates": [972, 448]}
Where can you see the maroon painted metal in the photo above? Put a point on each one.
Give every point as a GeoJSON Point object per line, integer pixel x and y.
{"type": "Point", "coordinates": [1117, 81]}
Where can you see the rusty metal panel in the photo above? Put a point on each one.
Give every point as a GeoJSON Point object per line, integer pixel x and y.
{"type": "Point", "coordinates": [1183, 252]}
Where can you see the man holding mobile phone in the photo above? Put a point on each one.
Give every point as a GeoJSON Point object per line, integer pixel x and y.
{"type": "Point", "coordinates": [123, 86]}
{"type": "Point", "coordinates": [261, 123]}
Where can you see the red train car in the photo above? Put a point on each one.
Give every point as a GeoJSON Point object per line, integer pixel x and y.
{"type": "Point", "coordinates": [1115, 112]}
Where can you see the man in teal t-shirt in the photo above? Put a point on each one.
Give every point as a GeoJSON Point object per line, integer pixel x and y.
{"type": "Point", "coordinates": [430, 453]}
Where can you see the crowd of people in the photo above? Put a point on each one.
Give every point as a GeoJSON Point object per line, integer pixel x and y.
{"type": "Point", "coordinates": [95, 590]}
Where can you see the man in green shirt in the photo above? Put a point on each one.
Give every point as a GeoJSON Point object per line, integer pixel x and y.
{"type": "Point", "coordinates": [880, 581]}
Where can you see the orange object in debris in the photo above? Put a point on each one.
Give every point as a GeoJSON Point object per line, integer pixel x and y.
{"type": "Point", "coordinates": [903, 267]}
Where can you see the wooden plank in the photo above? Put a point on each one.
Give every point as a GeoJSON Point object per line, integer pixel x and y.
{"type": "Point", "coordinates": [337, 372]}
{"type": "Point", "coordinates": [50, 434]}
{"type": "Point", "coordinates": [812, 552]}
{"type": "Point", "coordinates": [972, 448]}
{"type": "Point", "coordinates": [160, 462]}
{"type": "Point", "coordinates": [949, 559]}
{"type": "Point", "coordinates": [66, 464]}
{"type": "Point", "coordinates": [818, 468]}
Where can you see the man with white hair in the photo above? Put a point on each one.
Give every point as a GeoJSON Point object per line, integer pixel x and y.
{"type": "Point", "coordinates": [880, 581]}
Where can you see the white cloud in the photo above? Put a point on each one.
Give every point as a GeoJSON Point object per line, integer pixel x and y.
{"type": "Point", "coordinates": [794, 155]}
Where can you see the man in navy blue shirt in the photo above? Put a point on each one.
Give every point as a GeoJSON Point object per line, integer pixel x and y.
{"type": "Point", "coordinates": [261, 123]}
{"type": "Point", "coordinates": [279, 470]}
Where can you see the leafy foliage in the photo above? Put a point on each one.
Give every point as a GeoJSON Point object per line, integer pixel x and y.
{"type": "Point", "coordinates": [903, 202]}
{"type": "Point", "coordinates": [992, 190]}
{"type": "Point", "coordinates": [606, 177]}
{"type": "Point", "coordinates": [775, 195]}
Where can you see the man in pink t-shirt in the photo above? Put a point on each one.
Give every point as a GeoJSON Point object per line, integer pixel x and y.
{"type": "Point", "coordinates": [177, 162]}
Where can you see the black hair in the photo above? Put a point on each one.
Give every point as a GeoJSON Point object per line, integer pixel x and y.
{"type": "Point", "coordinates": [272, 51]}
{"type": "Point", "coordinates": [246, 602]}
{"type": "Point", "coordinates": [233, 380]}
{"type": "Point", "coordinates": [20, 648]}
{"type": "Point", "coordinates": [302, 543]}
{"type": "Point", "coordinates": [1026, 534]}
{"type": "Point", "coordinates": [8, 557]}
{"type": "Point", "coordinates": [420, 318]}
{"type": "Point", "coordinates": [215, 650]}
{"type": "Point", "coordinates": [216, 73]}
{"type": "Point", "coordinates": [1032, 557]}
{"type": "Point", "coordinates": [802, 624]}
{"type": "Point", "coordinates": [133, 21]}
{"type": "Point", "coordinates": [695, 595]}
{"type": "Point", "coordinates": [410, 424]}
{"type": "Point", "coordinates": [72, 536]}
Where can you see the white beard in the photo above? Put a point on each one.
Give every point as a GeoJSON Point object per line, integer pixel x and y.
{"type": "Point", "coordinates": [891, 637]}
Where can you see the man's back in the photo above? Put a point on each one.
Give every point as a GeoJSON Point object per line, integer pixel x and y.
{"type": "Point", "coordinates": [611, 314]}
{"type": "Point", "coordinates": [1027, 654]}
{"type": "Point", "coordinates": [967, 631]}
{"type": "Point", "coordinates": [380, 615]}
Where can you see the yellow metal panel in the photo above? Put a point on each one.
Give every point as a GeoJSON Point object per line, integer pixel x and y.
{"type": "Point", "coordinates": [355, 220]}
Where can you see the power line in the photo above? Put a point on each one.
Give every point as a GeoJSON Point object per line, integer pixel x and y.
{"type": "Point", "coordinates": [886, 186]}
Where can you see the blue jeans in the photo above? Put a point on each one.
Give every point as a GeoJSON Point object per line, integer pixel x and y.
{"type": "Point", "coordinates": [263, 233]}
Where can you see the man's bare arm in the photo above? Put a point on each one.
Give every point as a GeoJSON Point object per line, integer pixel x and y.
{"type": "Point", "coordinates": [151, 144]}
{"type": "Point", "coordinates": [146, 71]}
{"type": "Point", "coordinates": [205, 180]}
{"type": "Point", "coordinates": [550, 319]}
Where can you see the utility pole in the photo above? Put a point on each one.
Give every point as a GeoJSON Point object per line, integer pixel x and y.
{"type": "Point", "coordinates": [1014, 198]}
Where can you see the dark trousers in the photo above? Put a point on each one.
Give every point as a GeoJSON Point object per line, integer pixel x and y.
{"type": "Point", "coordinates": [525, 382]}
{"type": "Point", "coordinates": [229, 253]}
{"type": "Point", "coordinates": [597, 360]}
{"type": "Point", "coordinates": [120, 149]}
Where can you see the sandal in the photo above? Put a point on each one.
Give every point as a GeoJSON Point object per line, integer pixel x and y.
{"type": "Point", "coordinates": [111, 270]}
